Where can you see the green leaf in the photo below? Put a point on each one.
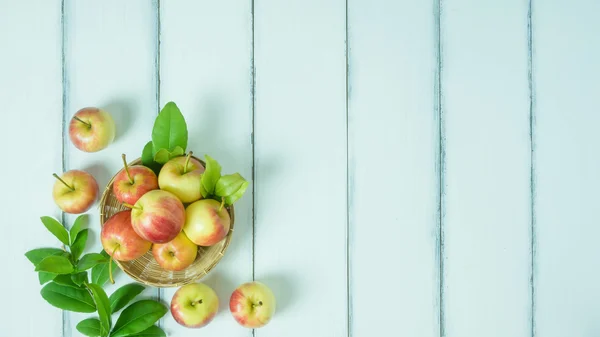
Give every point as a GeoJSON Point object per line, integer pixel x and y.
{"type": "Point", "coordinates": [152, 331]}
{"type": "Point", "coordinates": [89, 327]}
{"type": "Point", "coordinates": [122, 296]}
{"type": "Point", "coordinates": [162, 156]}
{"type": "Point", "coordinates": [56, 264]}
{"type": "Point", "coordinates": [65, 280]}
{"type": "Point", "coordinates": [138, 317]}
{"type": "Point", "coordinates": [90, 260]}
{"type": "Point", "coordinates": [68, 298]}
{"type": "Point", "coordinates": [147, 156]}
{"type": "Point", "coordinates": [79, 245]}
{"type": "Point", "coordinates": [45, 277]}
{"type": "Point", "coordinates": [37, 255]}
{"type": "Point", "coordinates": [103, 306]}
{"type": "Point", "coordinates": [77, 227]}
{"type": "Point", "coordinates": [170, 129]}
{"type": "Point", "coordinates": [210, 177]}
{"type": "Point", "coordinates": [56, 228]}
{"type": "Point", "coordinates": [79, 278]}
{"type": "Point", "coordinates": [100, 271]}
{"type": "Point", "coordinates": [232, 187]}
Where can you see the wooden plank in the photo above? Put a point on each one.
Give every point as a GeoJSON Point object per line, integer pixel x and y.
{"type": "Point", "coordinates": [393, 134]}
{"type": "Point", "coordinates": [30, 90]}
{"type": "Point", "coordinates": [206, 69]}
{"type": "Point", "coordinates": [110, 55]}
{"type": "Point", "coordinates": [300, 163]}
{"type": "Point", "coordinates": [566, 50]}
{"type": "Point", "coordinates": [487, 219]}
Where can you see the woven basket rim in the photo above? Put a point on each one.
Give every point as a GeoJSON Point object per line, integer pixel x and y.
{"type": "Point", "coordinates": [227, 240]}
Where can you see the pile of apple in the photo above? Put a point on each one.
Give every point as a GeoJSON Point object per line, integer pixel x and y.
{"type": "Point", "coordinates": [168, 213]}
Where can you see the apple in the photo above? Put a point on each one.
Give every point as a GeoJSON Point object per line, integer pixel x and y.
{"type": "Point", "coordinates": [133, 181]}
{"type": "Point", "coordinates": [176, 254]}
{"type": "Point", "coordinates": [120, 241]}
{"type": "Point", "coordinates": [181, 176]}
{"type": "Point", "coordinates": [75, 191]}
{"type": "Point", "coordinates": [157, 216]}
{"type": "Point", "coordinates": [91, 129]}
{"type": "Point", "coordinates": [206, 222]}
{"type": "Point", "coordinates": [252, 304]}
{"type": "Point", "coordinates": [194, 305]}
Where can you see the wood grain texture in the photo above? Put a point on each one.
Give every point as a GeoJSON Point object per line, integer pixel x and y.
{"type": "Point", "coordinates": [393, 135]}
{"type": "Point", "coordinates": [206, 69]}
{"type": "Point", "coordinates": [300, 135]}
{"type": "Point", "coordinates": [30, 91]}
{"type": "Point", "coordinates": [566, 50]}
{"type": "Point", "coordinates": [110, 50]}
{"type": "Point", "coordinates": [487, 219]}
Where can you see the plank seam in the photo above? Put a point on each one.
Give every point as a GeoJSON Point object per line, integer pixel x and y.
{"type": "Point", "coordinates": [156, 5]}
{"type": "Point", "coordinates": [66, 322]}
{"type": "Point", "coordinates": [253, 141]}
{"type": "Point", "coordinates": [533, 247]}
{"type": "Point", "coordinates": [349, 185]}
{"type": "Point", "coordinates": [441, 160]}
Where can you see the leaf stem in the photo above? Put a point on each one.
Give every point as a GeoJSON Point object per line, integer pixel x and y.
{"type": "Point", "coordinates": [62, 181]}
{"type": "Point", "coordinates": [127, 169]}
{"type": "Point", "coordinates": [222, 203]}
{"type": "Point", "coordinates": [187, 161]}
{"type": "Point", "coordinates": [82, 121]}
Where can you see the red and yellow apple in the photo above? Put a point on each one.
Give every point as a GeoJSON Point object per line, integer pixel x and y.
{"type": "Point", "coordinates": [75, 191]}
{"type": "Point", "coordinates": [181, 176]}
{"type": "Point", "coordinates": [194, 305]}
{"type": "Point", "coordinates": [252, 304]}
{"type": "Point", "coordinates": [91, 129]}
{"type": "Point", "coordinates": [157, 216]}
{"type": "Point", "coordinates": [133, 181]}
{"type": "Point", "coordinates": [176, 254]}
{"type": "Point", "coordinates": [206, 222]}
{"type": "Point", "coordinates": [119, 239]}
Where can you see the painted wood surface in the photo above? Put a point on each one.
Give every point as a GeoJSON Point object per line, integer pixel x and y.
{"type": "Point", "coordinates": [417, 168]}
{"type": "Point", "coordinates": [31, 95]}
{"type": "Point", "coordinates": [566, 49]}
{"type": "Point", "coordinates": [393, 167]}
{"type": "Point", "coordinates": [206, 68]}
{"type": "Point", "coordinates": [110, 63]}
{"type": "Point", "coordinates": [486, 192]}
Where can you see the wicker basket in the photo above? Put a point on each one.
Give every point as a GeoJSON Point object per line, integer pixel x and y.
{"type": "Point", "coordinates": [145, 269]}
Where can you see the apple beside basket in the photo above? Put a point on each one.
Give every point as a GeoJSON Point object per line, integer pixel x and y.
{"type": "Point", "coordinates": [145, 269]}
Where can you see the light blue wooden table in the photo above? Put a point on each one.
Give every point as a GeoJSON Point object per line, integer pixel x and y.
{"type": "Point", "coordinates": [418, 168]}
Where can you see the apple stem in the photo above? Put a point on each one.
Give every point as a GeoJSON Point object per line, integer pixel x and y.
{"type": "Point", "coordinates": [129, 206]}
{"type": "Point", "coordinates": [82, 121]}
{"type": "Point", "coordinates": [187, 161]}
{"type": "Point", "coordinates": [110, 275]}
{"type": "Point", "coordinates": [127, 168]}
{"type": "Point", "coordinates": [62, 181]}
{"type": "Point", "coordinates": [222, 204]}
{"type": "Point", "coordinates": [260, 303]}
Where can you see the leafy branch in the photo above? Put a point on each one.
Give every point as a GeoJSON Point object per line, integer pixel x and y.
{"type": "Point", "coordinates": [65, 275]}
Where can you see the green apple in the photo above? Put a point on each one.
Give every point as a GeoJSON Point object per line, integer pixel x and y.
{"type": "Point", "coordinates": [75, 191]}
{"type": "Point", "coordinates": [194, 305]}
{"type": "Point", "coordinates": [252, 304]}
{"type": "Point", "coordinates": [181, 176]}
{"type": "Point", "coordinates": [176, 254]}
{"type": "Point", "coordinates": [91, 129]}
{"type": "Point", "coordinates": [206, 222]}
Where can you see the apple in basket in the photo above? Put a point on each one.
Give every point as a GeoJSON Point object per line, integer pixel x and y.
{"type": "Point", "coordinates": [133, 181]}
{"type": "Point", "coordinates": [119, 239]}
{"type": "Point", "coordinates": [206, 222]}
{"type": "Point", "coordinates": [176, 254]}
{"type": "Point", "coordinates": [157, 216]}
{"type": "Point", "coordinates": [181, 176]}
